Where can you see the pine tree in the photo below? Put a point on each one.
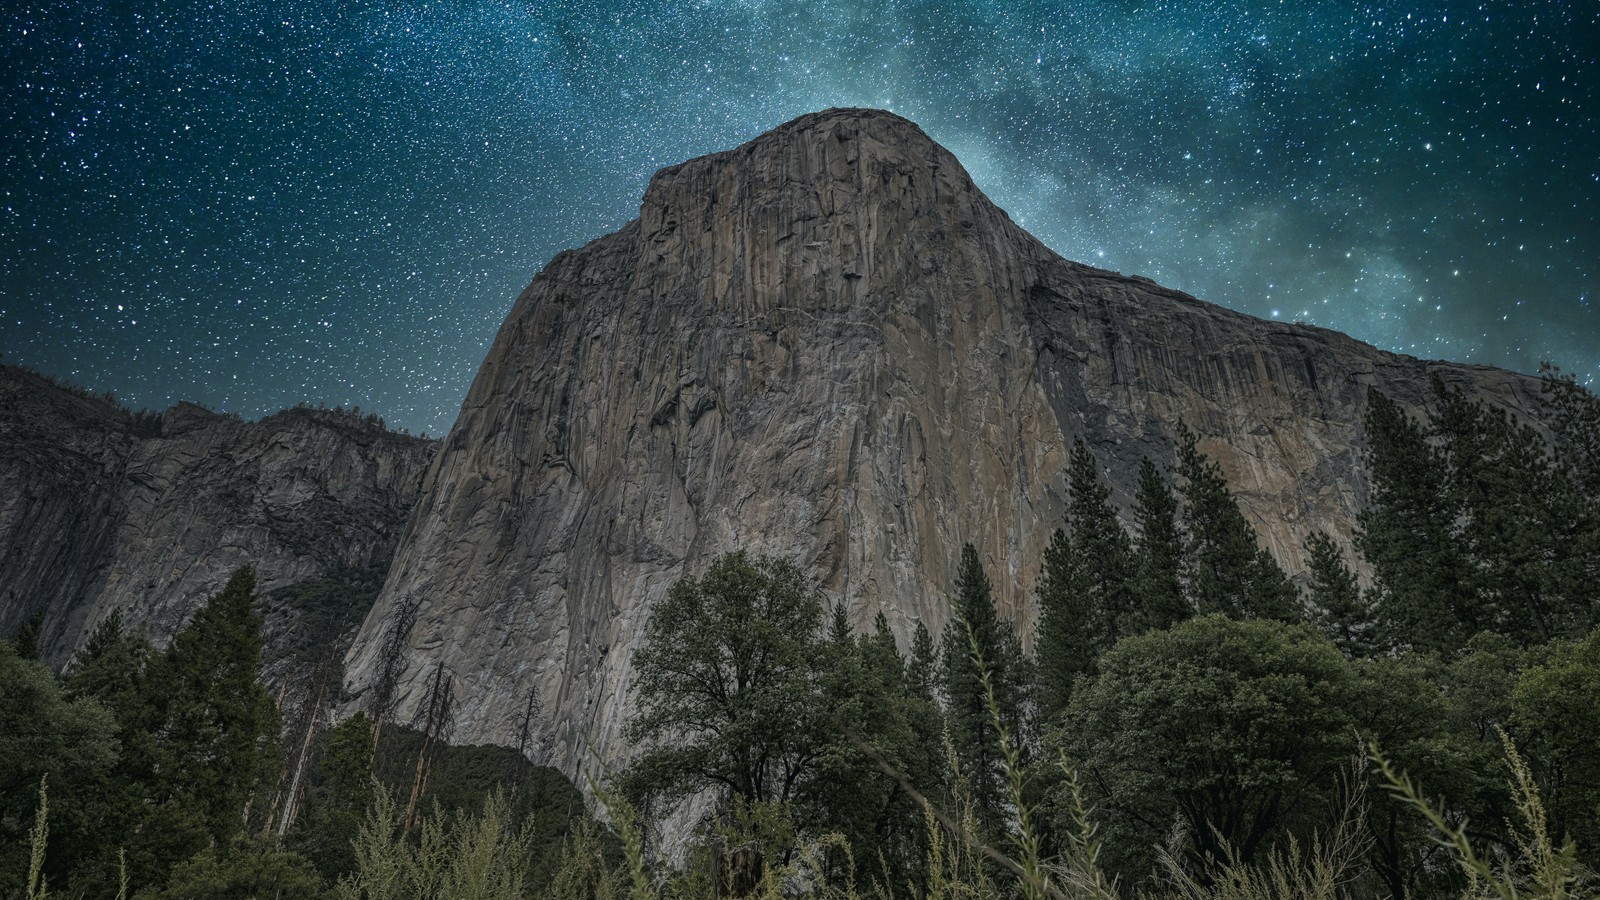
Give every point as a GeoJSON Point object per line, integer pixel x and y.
{"type": "Point", "coordinates": [1104, 553]}
{"type": "Point", "coordinates": [1228, 572]}
{"type": "Point", "coordinates": [27, 637]}
{"type": "Point", "coordinates": [212, 720]}
{"type": "Point", "coordinates": [110, 666]}
{"type": "Point", "coordinates": [1066, 647]}
{"type": "Point", "coordinates": [1158, 554]}
{"type": "Point", "coordinates": [863, 694]}
{"type": "Point", "coordinates": [1475, 524]}
{"type": "Point", "coordinates": [883, 654]}
{"type": "Point", "coordinates": [1086, 588]}
{"type": "Point", "coordinates": [975, 633]}
{"type": "Point", "coordinates": [1576, 422]}
{"type": "Point", "coordinates": [839, 631]}
{"type": "Point", "coordinates": [923, 668]}
{"type": "Point", "coordinates": [1522, 521]}
{"type": "Point", "coordinates": [1338, 608]}
{"type": "Point", "coordinates": [1406, 534]}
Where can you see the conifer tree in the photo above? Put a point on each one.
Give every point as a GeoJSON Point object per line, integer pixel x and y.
{"type": "Point", "coordinates": [882, 639]}
{"type": "Point", "coordinates": [1522, 521]}
{"type": "Point", "coordinates": [1104, 553]}
{"type": "Point", "coordinates": [27, 637]}
{"type": "Point", "coordinates": [1158, 553]}
{"type": "Point", "coordinates": [110, 666]}
{"type": "Point", "coordinates": [975, 631]}
{"type": "Point", "coordinates": [839, 631]}
{"type": "Point", "coordinates": [1228, 572]}
{"type": "Point", "coordinates": [923, 668]}
{"type": "Point", "coordinates": [212, 720]}
{"type": "Point", "coordinates": [1086, 587]}
{"type": "Point", "coordinates": [1066, 649]}
{"type": "Point", "coordinates": [863, 695]}
{"type": "Point", "coordinates": [1406, 535]}
{"type": "Point", "coordinates": [1576, 422]}
{"type": "Point", "coordinates": [1475, 524]}
{"type": "Point", "coordinates": [1337, 606]}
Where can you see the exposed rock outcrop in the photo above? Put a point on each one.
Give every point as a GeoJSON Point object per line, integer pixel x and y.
{"type": "Point", "coordinates": [827, 344]}
{"type": "Point", "coordinates": [101, 509]}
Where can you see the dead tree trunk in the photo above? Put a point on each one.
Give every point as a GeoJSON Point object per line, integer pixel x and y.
{"type": "Point", "coordinates": [436, 722]}
{"type": "Point", "coordinates": [391, 665]}
{"type": "Point", "coordinates": [530, 714]}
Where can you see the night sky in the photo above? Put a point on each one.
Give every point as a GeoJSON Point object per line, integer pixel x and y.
{"type": "Point", "coordinates": [251, 204]}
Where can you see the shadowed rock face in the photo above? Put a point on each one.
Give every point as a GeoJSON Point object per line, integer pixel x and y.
{"type": "Point", "coordinates": [828, 345]}
{"type": "Point", "coordinates": [102, 510]}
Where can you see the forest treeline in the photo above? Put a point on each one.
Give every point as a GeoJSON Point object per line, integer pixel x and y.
{"type": "Point", "coordinates": [1188, 722]}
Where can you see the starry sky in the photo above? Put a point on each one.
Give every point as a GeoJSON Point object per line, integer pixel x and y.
{"type": "Point", "coordinates": [251, 204]}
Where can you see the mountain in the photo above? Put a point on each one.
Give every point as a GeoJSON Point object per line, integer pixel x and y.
{"type": "Point", "coordinates": [102, 509]}
{"type": "Point", "coordinates": [827, 344]}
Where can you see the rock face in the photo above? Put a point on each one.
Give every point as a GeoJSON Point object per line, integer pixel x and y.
{"type": "Point", "coordinates": [828, 345]}
{"type": "Point", "coordinates": [103, 510]}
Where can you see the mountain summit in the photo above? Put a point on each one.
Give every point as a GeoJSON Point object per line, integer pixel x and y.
{"type": "Point", "coordinates": [827, 344]}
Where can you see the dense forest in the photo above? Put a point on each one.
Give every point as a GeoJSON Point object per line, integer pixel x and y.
{"type": "Point", "coordinates": [1189, 721]}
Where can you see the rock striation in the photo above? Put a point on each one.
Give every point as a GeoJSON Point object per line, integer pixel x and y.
{"type": "Point", "coordinates": [101, 509]}
{"type": "Point", "coordinates": [829, 345]}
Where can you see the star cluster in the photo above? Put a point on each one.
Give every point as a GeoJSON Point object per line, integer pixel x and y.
{"type": "Point", "coordinates": [252, 204]}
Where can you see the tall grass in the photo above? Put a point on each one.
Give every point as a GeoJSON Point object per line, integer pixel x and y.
{"type": "Point", "coordinates": [38, 838]}
{"type": "Point", "coordinates": [1325, 869]}
{"type": "Point", "coordinates": [453, 856]}
{"type": "Point", "coordinates": [1538, 870]}
{"type": "Point", "coordinates": [478, 858]}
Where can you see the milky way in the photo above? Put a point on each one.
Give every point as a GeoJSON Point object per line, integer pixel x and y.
{"type": "Point", "coordinates": [253, 204]}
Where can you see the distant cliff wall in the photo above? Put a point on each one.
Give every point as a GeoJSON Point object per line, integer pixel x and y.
{"type": "Point", "coordinates": [102, 510]}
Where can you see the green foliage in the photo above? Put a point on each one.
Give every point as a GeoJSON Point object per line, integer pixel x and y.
{"type": "Point", "coordinates": [1158, 553]}
{"type": "Point", "coordinates": [210, 719]}
{"type": "Point", "coordinates": [1476, 525]}
{"type": "Point", "coordinates": [584, 866]}
{"type": "Point", "coordinates": [977, 750]}
{"type": "Point", "coordinates": [26, 640]}
{"type": "Point", "coordinates": [46, 733]}
{"type": "Point", "coordinates": [922, 670]}
{"type": "Point", "coordinates": [110, 667]}
{"type": "Point", "coordinates": [1555, 711]}
{"type": "Point", "coordinates": [1086, 587]}
{"type": "Point", "coordinates": [1236, 729]}
{"type": "Point", "coordinates": [1539, 869]}
{"type": "Point", "coordinates": [1402, 703]}
{"type": "Point", "coordinates": [1338, 608]}
{"type": "Point", "coordinates": [1519, 522]}
{"type": "Point", "coordinates": [1407, 535]}
{"type": "Point", "coordinates": [457, 856]}
{"type": "Point", "coordinates": [243, 869]}
{"type": "Point", "coordinates": [1035, 881]}
{"type": "Point", "coordinates": [726, 683]}
{"type": "Point", "coordinates": [1576, 422]}
{"type": "Point", "coordinates": [339, 792]}
{"type": "Point", "coordinates": [872, 715]}
{"type": "Point", "coordinates": [1328, 867]}
{"type": "Point", "coordinates": [1228, 573]}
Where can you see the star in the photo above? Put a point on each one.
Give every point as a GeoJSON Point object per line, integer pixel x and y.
{"type": "Point", "coordinates": [253, 205]}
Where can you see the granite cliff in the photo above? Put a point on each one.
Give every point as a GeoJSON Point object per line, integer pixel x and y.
{"type": "Point", "coordinates": [827, 344]}
{"type": "Point", "coordinates": [101, 509]}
